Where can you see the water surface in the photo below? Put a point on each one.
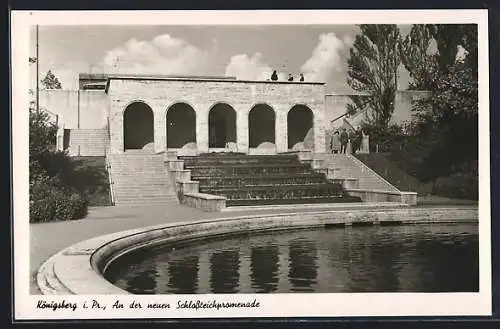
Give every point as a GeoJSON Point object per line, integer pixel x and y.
{"type": "Point", "coordinates": [415, 258]}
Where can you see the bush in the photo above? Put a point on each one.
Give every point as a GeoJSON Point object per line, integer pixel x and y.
{"type": "Point", "coordinates": [49, 202]}
{"type": "Point", "coordinates": [53, 176]}
{"type": "Point", "coordinates": [463, 183]}
{"type": "Point", "coordinates": [71, 206]}
{"type": "Point", "coordinates": [387, 138]}
{"type": "Point", "coordinates": [43, 210]}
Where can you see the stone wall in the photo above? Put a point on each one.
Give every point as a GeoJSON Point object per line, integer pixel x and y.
{"type": "Point", "coordinates": [201, 95]}
{"type": "Point", "coordinates": [77, 109]}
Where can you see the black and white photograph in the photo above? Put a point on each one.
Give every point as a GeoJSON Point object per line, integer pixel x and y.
{"type": "Point", "coordinates": [248, 163]}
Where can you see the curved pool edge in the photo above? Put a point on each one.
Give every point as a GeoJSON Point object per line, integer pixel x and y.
{"type": "Point", "coordinates": [78, 268]}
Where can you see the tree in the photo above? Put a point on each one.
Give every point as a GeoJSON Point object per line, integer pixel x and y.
{"type": "Point", "coordinates": [42, 133]}
{"type": "Point", "coordinates": [448, 37]}
{"type": "Point", "coordinates": [450, 114]}
{"type": "Point", "coordinates": [422, 66]}
{"type": "Point", "coordinates": [372, 68]}
{"type": "Point", "coordinates": [50, 81]}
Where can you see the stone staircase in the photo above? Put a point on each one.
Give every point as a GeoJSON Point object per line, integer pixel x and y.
{"type": "Point", "coordinates": [346, 166]}
{"type": "Point", "coordinates": [249, 180]}
{"type": "Point", "coordinates": [87, 142]}
{"type": "Point", "coordinates": [140, 178]}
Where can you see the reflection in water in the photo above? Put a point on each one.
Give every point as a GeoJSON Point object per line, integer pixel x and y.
{"type": "Point", "coordinates": [224, 266]}
{"type": "Point", "coordinates": [437, 258]}
{"type": "Point", "coordinates": [264, 268]}
{"type": "Point", "coordinates": [376, 254]}
{"type": "Point", "coordinates": [442, 273]}
{"type": "Point", "coordinates": [183, 274]}
{"type": "Point", "coordinates": [144, 282]}
{"type": "Point", "coordinates": [303, 268]}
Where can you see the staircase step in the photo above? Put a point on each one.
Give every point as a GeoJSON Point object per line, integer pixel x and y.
{"type": "Point", "coordinates": [140, 178]}
{"type": "Point", "coordinates": [138, 202]}
{"type": "Point", "coordinates": [133, 181]}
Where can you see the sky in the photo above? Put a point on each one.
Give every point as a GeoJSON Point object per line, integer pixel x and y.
{"type": "Point", "coordinates": [246, 52]}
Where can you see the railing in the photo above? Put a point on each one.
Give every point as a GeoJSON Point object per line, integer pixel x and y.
{"type": "Point", "coordinates": [110, 178]}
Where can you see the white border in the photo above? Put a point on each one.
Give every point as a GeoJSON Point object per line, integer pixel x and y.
{"type": "Point", "coordinates": [280, 305]}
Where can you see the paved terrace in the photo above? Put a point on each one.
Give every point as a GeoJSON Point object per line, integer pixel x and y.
{"type": "Point", "coordinates": [46, 239]}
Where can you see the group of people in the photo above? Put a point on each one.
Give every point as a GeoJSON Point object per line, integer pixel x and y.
{"type": "Point", "coordinates": [274, 76]}
{"type": "Point", "coordinates": [349, 142]}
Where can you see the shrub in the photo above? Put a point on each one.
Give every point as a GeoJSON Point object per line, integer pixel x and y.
{"type": "Point", "coordinates": [53, 175]}
{"type": "Point", "coordinates": [43, 210]}
{"type": "Point", "coordinates": [463, 183]}
{"type": "Point", "coordinates": [69, 206]}
{"type": "Point", "coordinates": [49, 202]}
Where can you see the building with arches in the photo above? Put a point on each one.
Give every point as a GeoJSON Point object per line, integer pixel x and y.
{"type": "Point", "coordinates": [198, 115]}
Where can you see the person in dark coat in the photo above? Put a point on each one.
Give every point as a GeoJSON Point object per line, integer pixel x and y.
{"type": "Point", "coordinates": [274, 76]}
{"type": "Point", "coordinates": [344, 138]}
{"type": "Point", "coordinates": [301, 77]}
{"type": "Point", "coordinates": [290, 77]}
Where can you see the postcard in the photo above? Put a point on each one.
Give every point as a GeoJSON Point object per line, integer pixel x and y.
{"type": "Point", "coordinates": [208, 164]}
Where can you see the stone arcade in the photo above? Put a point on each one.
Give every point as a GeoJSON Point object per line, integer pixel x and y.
{"type": "Point", "coordinates": [213, 114]}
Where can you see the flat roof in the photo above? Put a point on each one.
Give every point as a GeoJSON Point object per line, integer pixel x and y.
{"type": "Point", "coordinates": [104, 76]}
{"type": "Point", "coordinates": [202, 79]}
{"type": "Point", "coordinates": [346, 93]}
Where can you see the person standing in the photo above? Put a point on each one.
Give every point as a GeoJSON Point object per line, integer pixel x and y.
{"type": "Point", "coordinates": [351, 144]}
{"type": "Point", "coordinates": [274, 76]}
{"type": "Point", "coordinates": [365, 143]}
{"type": "Point", "coordinates": [290, 77]}
{"type": "Point", "coordinates": [358, 139]}
{"type": "Point", "coordinates": [344, 139]}
{"type": "Point", "coordinates": [301, 77]}
{"type": "Point", "coordinates": [335, 144]}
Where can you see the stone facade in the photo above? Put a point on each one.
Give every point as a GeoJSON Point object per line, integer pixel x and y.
{"type": "Point", "coordinates": [202, 94]}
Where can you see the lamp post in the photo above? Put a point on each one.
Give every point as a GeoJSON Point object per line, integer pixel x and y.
{"type": "Point", "coordinates": [37, 75]}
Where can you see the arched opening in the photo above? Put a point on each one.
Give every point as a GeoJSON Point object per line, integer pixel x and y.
{"type": "Point", "coordinates": [261, 125]}
{"type": "Point", "coordinates": [221, 126]}
{"type": "Point", "coordinates": [300, 128]}
{"type": "Point", "coordinates": [138, 126]}
{"type": "Point", "coordinates": [181, 125]}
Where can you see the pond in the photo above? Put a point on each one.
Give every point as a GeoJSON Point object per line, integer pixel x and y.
{"type": "Point", "coordinates": [405, 258]}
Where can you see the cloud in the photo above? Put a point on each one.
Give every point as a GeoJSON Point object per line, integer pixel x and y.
{"type": "Point", "coordinates": [244, 67]}
{"type": "Point", "coordinates": [163, 54]}
{"type": "Point", "coordinates": [327, 58]}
